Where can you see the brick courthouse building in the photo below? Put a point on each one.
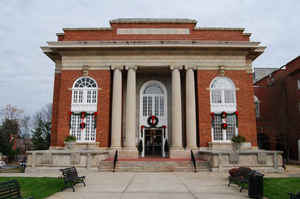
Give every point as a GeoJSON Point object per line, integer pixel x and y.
{"type": "Point", "coordinates": [152, 83]}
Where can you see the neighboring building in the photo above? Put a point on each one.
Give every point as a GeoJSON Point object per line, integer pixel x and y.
{"type": "Point", "coordinates": [259, 73]}
{"type": "Point", "coordinates": [150, 82]}
{"type": "Point", "coordinates": [278, 109]}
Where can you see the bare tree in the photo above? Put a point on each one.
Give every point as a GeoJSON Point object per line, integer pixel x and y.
{"type": "Point", "coordinates": [11, 112]}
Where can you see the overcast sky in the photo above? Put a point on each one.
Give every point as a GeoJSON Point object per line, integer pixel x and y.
{"type": "Point", "coordinates": [26, 75]}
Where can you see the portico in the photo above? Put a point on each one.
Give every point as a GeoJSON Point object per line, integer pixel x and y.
{"type": "Point", "coordinates": [158, 96]}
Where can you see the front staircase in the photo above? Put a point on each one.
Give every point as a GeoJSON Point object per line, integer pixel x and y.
{"type": "Point", "coordinates": [152, 165]}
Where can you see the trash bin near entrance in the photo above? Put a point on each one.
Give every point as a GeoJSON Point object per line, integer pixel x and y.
{"type": "Point", "coordinates": [256, 185]}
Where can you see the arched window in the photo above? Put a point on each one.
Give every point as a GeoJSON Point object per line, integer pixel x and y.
{"type": "Point", "coordinates": [84, 109]}
{"type": "Point", "coordinates": [223, 99]}
{"type": "Point", "coordinates": [153, 97]}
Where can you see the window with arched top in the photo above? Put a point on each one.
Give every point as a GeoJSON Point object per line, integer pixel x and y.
{"type": "Point", "coordinates": [153, 100]}
{"type": "Point", "coordinates": [223, 99]}
{"type": "Point", "coordinates": [84, 109]}
{"type": "Point", "coordinates": [84, 91]}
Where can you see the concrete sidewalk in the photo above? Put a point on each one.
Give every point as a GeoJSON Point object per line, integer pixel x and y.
{"type": "Point", "coordinates": [153, 185]}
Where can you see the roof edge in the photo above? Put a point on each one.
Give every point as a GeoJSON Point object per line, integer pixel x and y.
{"type": "Point", "coordinates": [153, 20]}
{"type": "Point", "coordinates": [219, 28]}
{"type": "Point", "coordinates": [87, 28]}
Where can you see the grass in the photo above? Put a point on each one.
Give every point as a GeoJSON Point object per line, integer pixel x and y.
{"type": "Point", "coordinates": [38, 188]}
{"type": "Point", "coordinates": [278, 188]}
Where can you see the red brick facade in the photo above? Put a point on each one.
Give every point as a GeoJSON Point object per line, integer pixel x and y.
{"type": "Point", "coordinates": [62, 105]}
{"type": "Point", "coordinates": [245, 106]}
{"type": "Point", "coordinates": [65, 78]}
{"type": "Point", "coordinates": [195, 34]}
{"type": "Point", "coordinates": [279, 97]}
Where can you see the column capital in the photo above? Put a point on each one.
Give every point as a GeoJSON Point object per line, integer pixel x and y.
{"type": "Point", "coordinates": [133, 67]}
{"type": "Point", "coordinates": [117, 67]}
{"type": "Point", "coordinates": [190, 66]}
{"type": "Point", "coordinates": [176, 66]}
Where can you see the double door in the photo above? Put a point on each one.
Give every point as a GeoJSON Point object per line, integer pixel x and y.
{"type": "Point", "coordinates": [153, 142]}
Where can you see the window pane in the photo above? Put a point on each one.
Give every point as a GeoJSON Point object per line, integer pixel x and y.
{"type": "Point", "coordinates": [231, 125]}
{"type": "Point", "coordinates": [216, 96]}
{"type": "Point", "coordinates": [89, 97]}
{"type": "Point", "coordinates": [75, 96]}
{"type": "Point", "coordinates": [80, 97]}
{"type": "Point", "coordinates": [93, 129]}
{"type": "Point", "coordinates": [149, 106]}
{"type": "Point", "coordinates": [162, 106]}
{"type": "Point", "coordinates": [75, 127]}
{"type": "Point", "coordinates": [153, 89]}
{"type": "Point", "coordinates": [229, 96]}
{"type": "Point", "coordinates": [87, 127]}
{"type": "Point", "coordinates": [94, 98]}
{"type": "Point", "coordinates": [145, 105]}
{"type": "Point", "coordinates": [217, 130]}
{"type": "Point", "coordinates": [156, 105]}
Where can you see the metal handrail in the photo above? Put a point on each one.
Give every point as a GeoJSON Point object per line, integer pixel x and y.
{"type": "Point", "coordinates": [193, 161]}
{"type": "Point", "coordinates": [115, 161]}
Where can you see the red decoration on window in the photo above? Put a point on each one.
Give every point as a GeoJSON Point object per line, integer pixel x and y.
{"type": "Point", "coordinates": [164, 126]}
{"type": "Point", "coordinates": [82, 125]}
{"type": "Point", "coordinates": [142, 126]}
{"type": "Point", "coordinates": [82, 115]}
{"type": "Point", "coordinates": [70, 113]}
{"type": "Point", "coordinates": [224, 126]}
{"type": "Point", "coordinates": [236, 113]}
{"type": "Point", "coordinates": [223, 114]}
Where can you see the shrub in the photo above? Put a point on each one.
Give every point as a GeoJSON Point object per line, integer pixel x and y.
{"type": "Point", "coordinates": [238, 139]}
{"type": "Point", "coordinates": [70, 138]}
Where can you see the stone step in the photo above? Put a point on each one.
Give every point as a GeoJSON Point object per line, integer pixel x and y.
{"type": "Point", "coordinates": [138, 165]}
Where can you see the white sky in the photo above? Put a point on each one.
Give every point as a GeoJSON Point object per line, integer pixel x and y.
{"type": "Point", "coordinates": [26, 76]}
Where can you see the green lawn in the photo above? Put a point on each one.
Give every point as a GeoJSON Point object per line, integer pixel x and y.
{"type": "Point", "coordinates": [37, 187]}
{"type": "Point", "coordinates": [278, 188]}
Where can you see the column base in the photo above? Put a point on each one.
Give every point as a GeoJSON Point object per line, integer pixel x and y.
{"type": "Point", "coordinates": [129, 153]}
{"type": "Point", "coordinates": [177, 152]}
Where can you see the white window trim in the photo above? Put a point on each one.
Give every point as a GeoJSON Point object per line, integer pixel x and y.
{"type": "Point", "coordinates": [163, 120]}
{"type": "Point", "coordinates": [222, 107]}
{"type": "Point", "coordinates": [84, 107]}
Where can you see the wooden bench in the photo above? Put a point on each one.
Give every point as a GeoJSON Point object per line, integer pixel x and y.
{"type": "Point", "coordinates": [240, 176]}
{"type": "Point", "coordinates": [71, 178]}
{"type": "Point", "coordinates": [10, 189]}
{"type": "Point", "coordinates": [294, 196]}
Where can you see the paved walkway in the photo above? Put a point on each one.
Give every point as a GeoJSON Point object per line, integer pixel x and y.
{"type": "Point", "coordinates": [153, 185]}
{"type": "Point", "coordinates": [212, 185]}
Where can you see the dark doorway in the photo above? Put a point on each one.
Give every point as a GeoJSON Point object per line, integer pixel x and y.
{"type": "Point", "coordinates": [153, 142]}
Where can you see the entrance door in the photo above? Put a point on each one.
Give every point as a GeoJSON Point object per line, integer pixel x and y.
{"type": "Point", "coordinates": [153, 103]}
{"type": "Point", "coordinates": [153, 142]}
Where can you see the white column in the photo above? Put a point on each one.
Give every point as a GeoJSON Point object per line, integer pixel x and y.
{"type": "Point", "coordinates": [190, 109]}
{"type": "Point", "coordinates": [130, 140]}
{"type": "Point", "coordinates": [176, 109]}
{"type": "Point", "coordinates": [116, 121]}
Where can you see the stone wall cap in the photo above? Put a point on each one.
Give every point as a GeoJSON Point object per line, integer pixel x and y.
{"type": "Point", "coordinates": [55, 151]}
{"type": "Point", "coordinates": [215, 152]}
{"type": "Point", "coordinates": [153, 20]}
